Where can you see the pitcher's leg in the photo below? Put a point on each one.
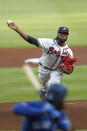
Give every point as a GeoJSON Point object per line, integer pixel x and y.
{"type": "Point", "coordinates": [43, 79]}
{"type": "Point", "coordinates": [43, 94]}
{"type": "Point", "coordinates": [55, 77]}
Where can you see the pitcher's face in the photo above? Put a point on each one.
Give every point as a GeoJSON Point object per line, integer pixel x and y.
{"type": "Point", "coordinates": [62, 37]}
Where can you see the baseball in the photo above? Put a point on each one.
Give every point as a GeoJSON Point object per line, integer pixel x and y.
{"type": "Point", "coordinates": [9, 21]}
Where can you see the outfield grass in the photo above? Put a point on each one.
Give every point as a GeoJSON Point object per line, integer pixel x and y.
{"type": "Point", "coordinates": [41, 19]}
{"type": "Point", "coordinates": [15, 87]}
{"type": "Point", "coordinates": [77, 83]}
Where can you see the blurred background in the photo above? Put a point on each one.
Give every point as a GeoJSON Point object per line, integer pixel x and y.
{"type": "Point", "coordinates": [41, 18]}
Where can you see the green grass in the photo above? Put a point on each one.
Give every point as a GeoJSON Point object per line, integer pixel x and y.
{"type": "Point", "coordinates": [77, 83]}
{"type": "Point", "coordinates": [14, 85]}
{"type": "Point", "coordinates": [41, 18]}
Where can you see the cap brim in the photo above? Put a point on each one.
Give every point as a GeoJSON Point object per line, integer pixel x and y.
{"type": "Point", "coordinates": [63, 31]}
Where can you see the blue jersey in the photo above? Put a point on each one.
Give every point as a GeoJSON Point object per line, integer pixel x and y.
{"type": "Point", "coordinates": [41, 116]}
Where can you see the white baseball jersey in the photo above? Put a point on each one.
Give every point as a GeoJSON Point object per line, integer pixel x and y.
{"type": "Point", "coordinates": [52, 53]}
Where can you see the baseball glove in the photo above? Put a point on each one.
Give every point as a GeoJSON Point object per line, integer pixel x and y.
{"type": "Point", "coordinates": [68, 62]}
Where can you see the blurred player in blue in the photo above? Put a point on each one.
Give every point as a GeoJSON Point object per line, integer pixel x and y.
{"type": "Point", "coordinates": [45, 115]}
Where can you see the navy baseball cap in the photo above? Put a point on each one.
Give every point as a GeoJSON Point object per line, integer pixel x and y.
{"type": "Point", "coordinates": [56, 92]}
{"type": "Point", "coordinates": [63, 29]}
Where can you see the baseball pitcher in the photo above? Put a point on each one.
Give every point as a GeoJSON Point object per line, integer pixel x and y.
{"type": "Point", "coordinates": [57, 57]}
